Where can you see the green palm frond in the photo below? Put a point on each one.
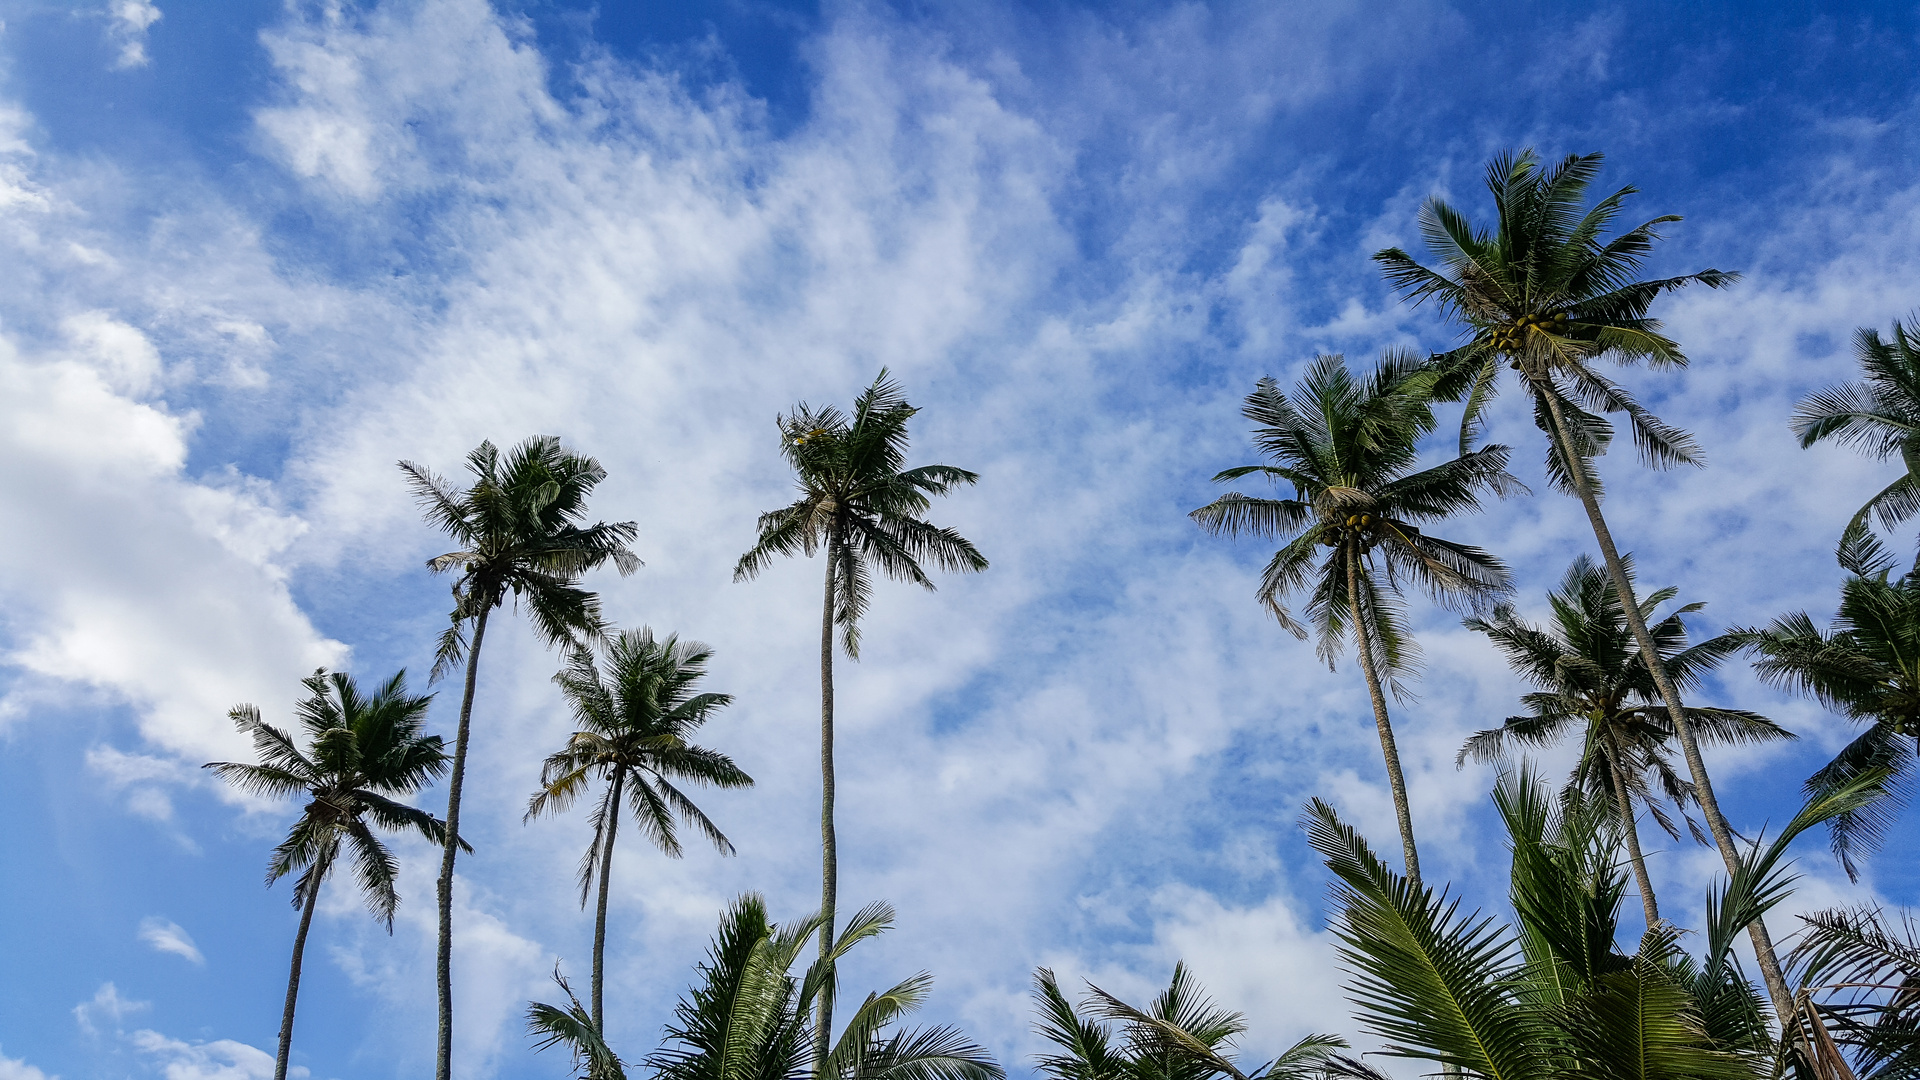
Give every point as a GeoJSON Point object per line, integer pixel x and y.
{"type": "Point", "coordinates": [1429, 981]}
{"type": "Point", "coordinates": [749, 1017]}
{"type": "Point", "coordinates": [573, 1027]}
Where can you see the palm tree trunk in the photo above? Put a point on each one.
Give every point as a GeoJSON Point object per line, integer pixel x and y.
{"type": "Point", "coordinates": [1363, 642]}
{"type": "Point", "coordinates": [1702, 783]}
{"type": "Point", "coordinates": [829, 852]}
{"type": "Point", "coordinates": [1632, 831]}
{"type": "Point", "coordinates": [443, 958]}
{"type": "Point", "coordinates": [600, 916]}
{"type": "Point", "coordinates": [293, 974]}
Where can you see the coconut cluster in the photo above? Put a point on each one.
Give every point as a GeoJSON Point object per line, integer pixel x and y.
{"type": "Point", "coordinates": [1509, 338]}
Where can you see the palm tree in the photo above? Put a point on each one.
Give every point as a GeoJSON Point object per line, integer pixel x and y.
{"type": "Point", "coordinates": [1552, 996]}
{"type": "Point", "coordinates": [519, 527]}
{"type": "Point", "coordinates": [635, 727]}
{"type": "Point", "coordinates": [1593, 681]}
{"type": "Point", "coordinates": [1880, 416]}
{"type": "Point", "coordinates": [1348, 447]}
{"type": "Point", "coordinates": [1867, 668]}
{"type": "Point", "coordinates": [1547, 294]}
{"type": "Point", "coordinates": [1181, 1035]}
{"type": "Point", "coordinates": [748, 1017]}
{"type": "Point", "coordinates": [362, 754]}
{"type": "Point", "coordinates": [864, 509]}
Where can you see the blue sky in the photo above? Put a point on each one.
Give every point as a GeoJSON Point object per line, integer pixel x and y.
{"type": "Point", "coordinates": [258, 252]}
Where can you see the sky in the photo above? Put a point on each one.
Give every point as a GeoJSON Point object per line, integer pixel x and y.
{"type": "Point", "coordinates": [257, 253]}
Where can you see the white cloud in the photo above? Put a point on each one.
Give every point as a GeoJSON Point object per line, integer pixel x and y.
{"type": "Point", "coordinates": [127, 25]}
{"type": "Point", "coordinates": [18, 1069]}
{"type": "Point", "coordinates": [168, 936]}
{"type": "Point", "coordinates": [219, 1059]}
{"type": "Point", "coordinates": [134, 570]}
{"type": "Point", "coordinates": [107, 1006]}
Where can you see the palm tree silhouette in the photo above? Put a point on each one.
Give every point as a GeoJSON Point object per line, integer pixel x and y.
{"type": "Point", "coordinates": [863, 508]}
{"type": "Point", "coordinates": [635, 721]}
{"type": "Point", "coordinates": [519, 527]}
{"type": "Point", "coordinates": [362, 754]}
{"type": "Point", "coordinates": [1352, 529]}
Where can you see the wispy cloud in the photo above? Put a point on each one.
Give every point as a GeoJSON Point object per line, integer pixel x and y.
{"type": "Point", "coordinates": [167, 936]}
{"type": "Point", "coordinates": [218, 1059]}
{"type": "Point", "coordinates": [106, 1007]}
{"type": "Point", "coordinates": [127, 25]}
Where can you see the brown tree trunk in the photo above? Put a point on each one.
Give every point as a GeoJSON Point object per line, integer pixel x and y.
{"type": "Point", "coordinates": [443, 957]}
{"type": "Point", "coordinates": [829, 852]}
{"type": "Point", "coordinates": [600, 915]}
{"type": "Point", "coordinates": [293, 973]}
{"type": "Point", "coordinates": [1363, 642]}
{"type": "Point", "coordinates": [1630, 829]}
{"type": "Point", "coordinates": [1702, 783]}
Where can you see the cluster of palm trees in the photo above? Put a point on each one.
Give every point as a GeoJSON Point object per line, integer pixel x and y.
{"type": "Point", "coordinates": [1544, 292]}
{"type": "Point", "coordinates": [521, 531]}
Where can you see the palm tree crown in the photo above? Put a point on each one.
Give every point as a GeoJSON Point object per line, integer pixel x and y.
{"type": "Point", "coordinates": [748, 1017]}
{"type": "Point", "coordinates": [1593, 681]}
{"type": "Point", "coordinates": [362, 754]}
{"type": "Point", "coordinates": [520, 530]}
{"type": "Point", "coordinates": [1879, 415]}
{"type": "Point", "coordinates": [1867, 668]}
{"type": "Point", "coordinates": [636, 721]}
{"type": "Point", "coordinates": [1180, 1035]}
{"type": "Point", "coordinates": [860, 504]}
{"type": "Point", "coordinates": [1550, 294]}
{"type": "Point", "coordinates": [1349, 448]}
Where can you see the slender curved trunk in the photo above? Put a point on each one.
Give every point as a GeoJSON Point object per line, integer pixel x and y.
{"type": "Point", "coordinates": [1702, 783]}
{"type": "Point", "coordinates": [1630, 829]}
{"type": "Point", "coordinates": [293, 974]}
{"type": "Point", "coordinates": [829, 853]}
{"type": "Point", "coordinates": [600, 915]}
{"type": "Point", "coordinates": [443, 958]}
{"type": "Point", "coordinates": [1363, 642]}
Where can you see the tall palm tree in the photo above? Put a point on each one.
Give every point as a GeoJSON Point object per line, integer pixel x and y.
{"type": "Point", "coordinates": [1180, 1035]}
{"type": "Point", "coordinates": [1867, 668]}
{"type": "Point", "coordinates": [1549, 295]}
{"type": "Point", "coordinates": [1593, 681]}
{"type": "Point", "coordinates": [1349, 448]}
{"type": "Point", "coordinates": [520, 531]}
{"type": "Point", "coordinates": [1879, 416]}
{"type": "Point", "coordinates": [1552, 996]}
{"type": "Point", "coordinates": [749, 1017]}
{"type": "Point", "coordinates": [635, 721]}
{"type": "Point", "coordinates": [864, 510]}
{"type": "Point", "coordinates": [362, 754]}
